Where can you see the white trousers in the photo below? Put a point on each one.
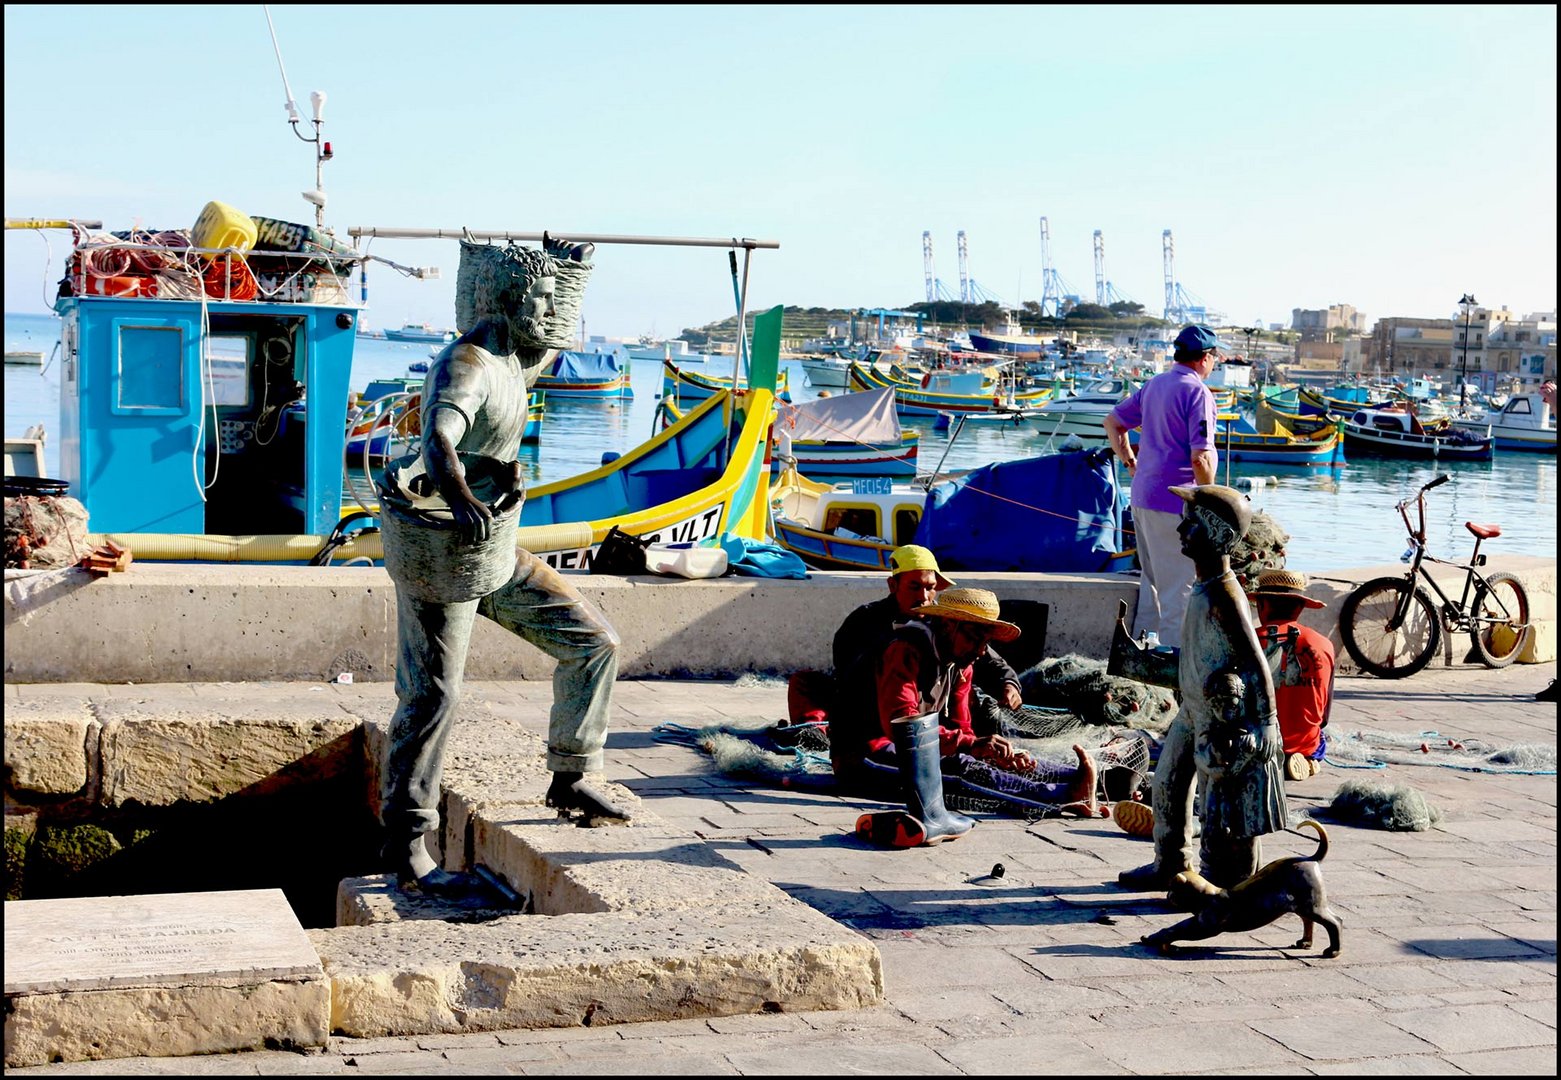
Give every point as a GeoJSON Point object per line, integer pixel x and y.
{"type": "Point", "coordinates": [1165, 576]}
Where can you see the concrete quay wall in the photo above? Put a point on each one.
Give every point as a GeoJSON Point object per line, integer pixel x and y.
{"type": "Point", "coordinates": [212, 623]}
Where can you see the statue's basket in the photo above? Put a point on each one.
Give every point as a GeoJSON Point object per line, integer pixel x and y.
{"type": "Point", "coordinates": [428, 559]}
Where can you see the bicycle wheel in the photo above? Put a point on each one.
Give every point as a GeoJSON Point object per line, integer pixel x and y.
{"type": "Point", "coordinates": [1499, 623]}
{"type": "Point", "coordinates": [1379, 647]}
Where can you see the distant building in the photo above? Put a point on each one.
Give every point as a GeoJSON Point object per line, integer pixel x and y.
{"type": "Point", "coordinates": [1327, 324]}
{"type": "Point", "coordinates": [1512, 348]}
{"type": "Point", "coordinates": [1408, 346]}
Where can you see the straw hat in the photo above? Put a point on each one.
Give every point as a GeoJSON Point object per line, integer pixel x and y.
{"type": "Point", "coordinates": [972, 606]}
{"type": "Point", "coordinates": [1287, 584]}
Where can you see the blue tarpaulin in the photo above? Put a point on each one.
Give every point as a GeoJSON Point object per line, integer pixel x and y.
{"type": "Point", "coordinates": [1059, 512]}
{"type": "Point", "coordinates": [586, 367]}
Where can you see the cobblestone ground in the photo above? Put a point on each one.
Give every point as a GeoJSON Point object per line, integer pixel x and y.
{"type": "Point", "coordinates": [1449, 961]}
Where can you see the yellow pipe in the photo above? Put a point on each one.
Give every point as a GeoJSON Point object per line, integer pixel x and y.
{"type": "Point", "coordinates": [49, 223]}
{"type": "Point", "coordinates": [195, 547]}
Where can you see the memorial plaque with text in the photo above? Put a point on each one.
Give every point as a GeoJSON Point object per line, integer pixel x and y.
{"type": "Point", "coordinates": [162, 939]}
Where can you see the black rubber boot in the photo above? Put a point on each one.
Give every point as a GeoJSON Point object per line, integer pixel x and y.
{"type": "Point", "coordinates": [916, 747]}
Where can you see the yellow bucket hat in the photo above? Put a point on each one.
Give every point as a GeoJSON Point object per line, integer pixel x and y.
{"type": "Point", "coordinates": [915, 557]}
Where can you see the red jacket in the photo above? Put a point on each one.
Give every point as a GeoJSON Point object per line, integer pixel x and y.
{"type": "Point", "coordinates": [1303, 709]}
{"type": "Point", "coordinates": [913, 680]}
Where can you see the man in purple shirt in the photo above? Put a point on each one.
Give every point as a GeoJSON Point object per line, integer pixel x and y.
{"type": "Point", "coordinates": [1174, 412]}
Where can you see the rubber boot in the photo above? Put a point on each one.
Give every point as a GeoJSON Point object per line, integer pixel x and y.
{"type": "Point", "coordinates": [916, 747]}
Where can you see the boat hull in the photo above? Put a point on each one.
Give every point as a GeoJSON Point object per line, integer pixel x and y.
{"type": "Point", "coordinates": [1411, 446]}
{"type": "Point", "coordinates": [1006, 345]}
{"type": "Point", "coordinates": [910, 400]}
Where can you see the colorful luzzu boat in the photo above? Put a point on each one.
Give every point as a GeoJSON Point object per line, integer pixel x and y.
{"type": "Point", "coordinates": [588, 375]}
{"type": "Point", "coordinates": [683, 388]}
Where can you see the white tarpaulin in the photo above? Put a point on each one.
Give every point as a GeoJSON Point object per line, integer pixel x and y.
{"type": "Point", "coordinates": [864, 417]}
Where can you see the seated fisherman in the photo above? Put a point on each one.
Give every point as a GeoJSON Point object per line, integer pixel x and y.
{"type": "Point", "coordinates": [923, 680]}
{"type": "Point", "coordinates": [847, 698]}
{"type": "Point", "coordinates": [1304, 695]}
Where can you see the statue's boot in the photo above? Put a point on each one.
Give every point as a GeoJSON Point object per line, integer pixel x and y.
{"type": "Point", "coordinates": [569, 794]}
{"type": "Point", "coordinates": [917, 753]}
{"type": "Point", "coordinates": [1151, 877]}
{"type": "Point", "coordinates": [416, 871]}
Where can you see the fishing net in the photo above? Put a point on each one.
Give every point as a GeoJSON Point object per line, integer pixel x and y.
{"type": "Point", "coordinates": [1375, 805]}
{"type": "Point", "coordinates": [1361, 749]}
{"type": "Point", "coordinates": [1081, 686]}
{"type": "Point", "coordinates": [487, 270]}
{"type": "Point", "coordinates": [1262, 548]}
{"type": "Point", "coordinates": [44, 532]}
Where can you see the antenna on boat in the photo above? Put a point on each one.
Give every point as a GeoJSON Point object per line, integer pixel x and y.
{"type": "Point", "coordinates": [322, 150]}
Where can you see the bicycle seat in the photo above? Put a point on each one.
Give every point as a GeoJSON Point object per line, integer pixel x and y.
{"type": "Point", "coordinates": [1484, 532]}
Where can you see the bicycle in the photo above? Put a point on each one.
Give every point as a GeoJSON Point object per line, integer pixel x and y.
{"type": "Point", "coordinates": [1392, 627]}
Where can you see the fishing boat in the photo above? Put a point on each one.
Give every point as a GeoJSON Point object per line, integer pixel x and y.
{"type": "Point", "coordinates": [1238, 439]}
{"type": "Point", "coordinates": [1524, 422]}
{"type": "Point", "coordinates": [32, 357]}
{"type": "Point", "coordinates": [1084, 412]}
{"type": "Point", "coordinates": [1398, 432]}
{"type": "Point", "coordinates": [1056, 513]}
{"type": "Point", "coordinates": [677, 350]}
{"type": "Point", "coordinates": [998, 416]}
{"type": "Point", "coordinates": [1008, 344]}
{"type": "Point", "coordinates": [950, 390]}
{"type": "Point", "coordinates": [830, 372]}
{"type": "Point", "coordinates": [586, 375]}
{"type": "Point", "coordinates": [850, 435]}
{"type": "Point", "coordinates": [685, 387]}
{"type": "Point", "coordinates": [419, 332]}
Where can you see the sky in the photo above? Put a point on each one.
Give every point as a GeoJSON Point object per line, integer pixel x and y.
{"type": "Point", "coordinates": [1389, 157]}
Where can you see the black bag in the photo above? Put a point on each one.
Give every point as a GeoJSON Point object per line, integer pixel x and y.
{"type": "Point", "coordinates": [620, 553]}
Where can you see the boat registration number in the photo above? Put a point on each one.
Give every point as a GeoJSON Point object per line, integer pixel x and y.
{"type": "Point", "coordinates": [690, 530]}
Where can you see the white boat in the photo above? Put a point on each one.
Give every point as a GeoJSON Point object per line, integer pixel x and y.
{"type": "Point", "coordinates": [677, 350]}
{"type": "Point", "coordinates": [24, 356]}
{"type": "Point", "coordinates": [1523, 423]}
{"type": "Point", "coordinates": [1084, 413]}
{"type": "Point", "coordinates": [827, 371]}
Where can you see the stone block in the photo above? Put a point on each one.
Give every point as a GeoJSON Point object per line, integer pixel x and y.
{"type": "Point", "coordinates": [1540, 648]}
{"type": "Point", "coordinates": [525, 971]}
{"type": "Point", "coordinates": [204, 754]}
{"type": "Point", "coordinates": [363, 901]}
{"type": "Point", "coordinates": [643, 866]}
{"type": "Point", "coordinates": [163, 974]}
{"type": "Point", "coordinates": [47, 747]}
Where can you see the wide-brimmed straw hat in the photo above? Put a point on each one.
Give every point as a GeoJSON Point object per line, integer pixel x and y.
{"type": "Point", "coordinates": [972, 606]}
{"type": "Point", "coordinates": [1284, 584]}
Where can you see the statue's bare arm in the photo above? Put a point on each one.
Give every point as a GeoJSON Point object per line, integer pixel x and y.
{"type": "Point", "coordinates": [455, 395]}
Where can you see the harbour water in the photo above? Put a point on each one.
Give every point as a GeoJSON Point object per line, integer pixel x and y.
{"type": "Point", "coordinates": [1336, 517]}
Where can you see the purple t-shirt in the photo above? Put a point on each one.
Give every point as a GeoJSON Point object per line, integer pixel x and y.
{"type": "Point", "coordinates": [1174, 413]}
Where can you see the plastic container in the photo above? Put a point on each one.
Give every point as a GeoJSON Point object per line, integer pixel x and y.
{"type": "Point", "coordinates": [685, 560]}
{"type": "Point", "coordinates": [221, 226]}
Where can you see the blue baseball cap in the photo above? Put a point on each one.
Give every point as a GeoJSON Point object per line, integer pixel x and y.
{"type": "Point", "coordinates": [1198, 339]}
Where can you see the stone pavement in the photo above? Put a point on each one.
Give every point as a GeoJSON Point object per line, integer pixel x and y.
{"type": "Point", "coordinates": [1448, 963]}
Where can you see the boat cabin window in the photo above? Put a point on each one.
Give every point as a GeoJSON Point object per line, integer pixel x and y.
{"type": "Point", "coordinates": [1520, 405]}
{"type": "Point", "coordinates": [1391, 423]}
{"type": "Point", "coordinates": [906, 518]}
{"type": "Point", "coordinates": [151, 369]}
{"type": "Point", "coordinates": [861, 520]}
